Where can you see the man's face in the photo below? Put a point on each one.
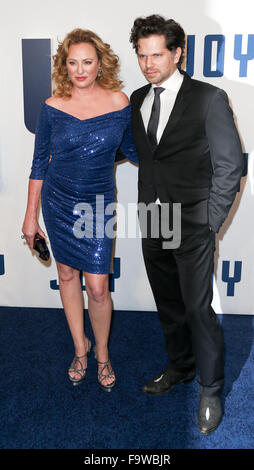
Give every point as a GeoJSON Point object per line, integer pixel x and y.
{"type": "Point", "coordinates": [157, 63]}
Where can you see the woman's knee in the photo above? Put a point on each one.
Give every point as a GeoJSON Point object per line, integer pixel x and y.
{"type": "Point", "coordinates": [66, 273]}
{"type": "Point", "coordinates": [97, 291]}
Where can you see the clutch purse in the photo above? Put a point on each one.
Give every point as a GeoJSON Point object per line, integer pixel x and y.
{"type": "Point", "coordinates": [40, 246]}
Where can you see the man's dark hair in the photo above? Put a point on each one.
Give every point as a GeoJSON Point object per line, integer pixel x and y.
{"type": "Point", "coordinates": [156, 24]}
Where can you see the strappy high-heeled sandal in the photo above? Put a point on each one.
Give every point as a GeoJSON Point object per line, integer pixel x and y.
{"type": "Point", "coordinates": [102, 376]}
{"type": "Point", "coordinates": [81, 370]}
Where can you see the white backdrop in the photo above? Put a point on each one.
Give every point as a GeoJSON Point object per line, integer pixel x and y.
{"type": "Point", "coordinates": [25, 281]}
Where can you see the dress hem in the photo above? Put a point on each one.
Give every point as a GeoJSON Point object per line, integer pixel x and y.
{"type": "Point", "coordinates": [89, 270]}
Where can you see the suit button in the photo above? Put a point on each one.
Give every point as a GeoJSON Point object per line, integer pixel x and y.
{"type": "Point", "coordinates": [156, 161]}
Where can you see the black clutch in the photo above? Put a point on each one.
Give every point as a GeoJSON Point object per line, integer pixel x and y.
{"type": "Point", "coordinates": [40, 246]}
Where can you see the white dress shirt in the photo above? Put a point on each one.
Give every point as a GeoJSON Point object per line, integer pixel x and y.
{"type": "Point", "coordinates": [172, 85]}
{"type": "Point", "coordinates": [167, 98]}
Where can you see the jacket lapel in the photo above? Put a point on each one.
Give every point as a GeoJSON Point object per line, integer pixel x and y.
{"type": "Point", "coordinates": [137, 120]}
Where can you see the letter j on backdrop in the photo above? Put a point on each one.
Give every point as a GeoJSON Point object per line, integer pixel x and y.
{"type": "Point", "coordinates": [36, 56]}
{"type": "Point", "coordinates": [2, 270]}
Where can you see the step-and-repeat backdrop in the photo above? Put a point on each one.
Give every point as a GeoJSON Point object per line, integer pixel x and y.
{"type": "Point", "coordinates": [220, 38]}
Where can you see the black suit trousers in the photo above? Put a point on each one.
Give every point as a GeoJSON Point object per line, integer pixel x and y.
{"type": "Point", "coordinates": [181, 282]}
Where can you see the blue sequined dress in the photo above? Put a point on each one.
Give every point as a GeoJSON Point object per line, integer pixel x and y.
{"type": "Point", "coordinates": [75, 158]}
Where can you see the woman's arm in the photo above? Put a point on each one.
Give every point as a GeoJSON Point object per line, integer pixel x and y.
{"type": "Point", "coordinates": [39, 169]}
{"type": "Point", "coordinates": [30, 224]}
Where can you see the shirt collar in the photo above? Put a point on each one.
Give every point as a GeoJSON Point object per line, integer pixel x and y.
{"type": "Point", "coordinates": [173, 83]}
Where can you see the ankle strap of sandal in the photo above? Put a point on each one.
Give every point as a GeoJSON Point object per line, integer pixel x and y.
{"type": "Point", "coordinates": [106, 363]}
{"type": "Point", "coordinates": [81, 357]}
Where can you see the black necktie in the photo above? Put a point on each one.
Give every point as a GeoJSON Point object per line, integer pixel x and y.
{"type": "Point", "coordinates": [154, 118]}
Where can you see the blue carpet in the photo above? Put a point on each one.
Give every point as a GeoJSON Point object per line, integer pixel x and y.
{"type": "Point", "coordinates": [40, 409]}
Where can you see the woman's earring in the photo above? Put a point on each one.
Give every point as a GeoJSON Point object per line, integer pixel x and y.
{"type": "Point", "coordinates": [99, 73]}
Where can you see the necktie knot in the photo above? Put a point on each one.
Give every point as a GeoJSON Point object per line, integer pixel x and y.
{"type": "Point", "coordinates": [158, 90]}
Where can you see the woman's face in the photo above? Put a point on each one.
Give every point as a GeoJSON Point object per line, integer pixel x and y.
{"type": "Point", "coordinates": [82, 64]}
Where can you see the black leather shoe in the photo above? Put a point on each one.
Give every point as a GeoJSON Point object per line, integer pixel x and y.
{"type": "Point", "coordinates": [165, 381]}
{"type": "Point", "coordinates": [209, 414]}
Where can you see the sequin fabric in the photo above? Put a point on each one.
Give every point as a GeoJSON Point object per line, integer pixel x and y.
{"type": "Point", "coordinates": [75, 158]}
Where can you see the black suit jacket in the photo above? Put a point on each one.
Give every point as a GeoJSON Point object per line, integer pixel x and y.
{"type": "Point", "coordinates": [198, 161]}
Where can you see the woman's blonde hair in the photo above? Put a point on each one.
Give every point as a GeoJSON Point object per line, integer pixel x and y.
{"type": "Point", "coordinates": [109, 62]}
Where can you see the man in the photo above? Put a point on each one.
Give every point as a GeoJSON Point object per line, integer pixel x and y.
{"type": "Point", "coordinates": [190, 153]}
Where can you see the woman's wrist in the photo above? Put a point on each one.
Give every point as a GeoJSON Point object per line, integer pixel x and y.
{"type": "Point", "coordinates": [32, 211]}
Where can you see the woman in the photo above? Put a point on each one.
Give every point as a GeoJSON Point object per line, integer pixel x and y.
{"type": "Point", "coordinates": [79, 131]}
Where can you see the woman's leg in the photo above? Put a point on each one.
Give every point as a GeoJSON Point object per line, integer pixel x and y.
{"type": "Point", "coordinates": [100, 308]}
{"type": "Point", "coordinates": [73, 304]}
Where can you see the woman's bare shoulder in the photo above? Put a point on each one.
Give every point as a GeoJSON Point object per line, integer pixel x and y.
{"type": "Point", "coordinates": [54, 101]}
{"type": "Point", "coordinates": [120, 99]}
